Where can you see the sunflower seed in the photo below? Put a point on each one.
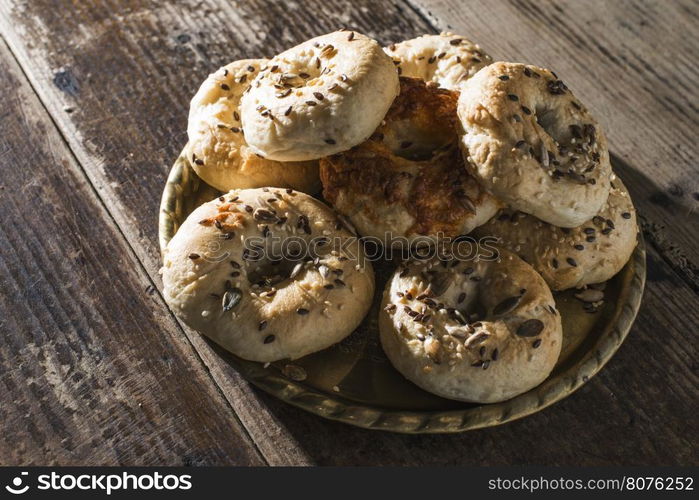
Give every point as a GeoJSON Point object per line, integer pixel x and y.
{"type": "Point", "coordinates": [590, 295]}
{"type": "Point", "coordinates": [263, 215]}
{"type": "Point", "coordinates": [231, 299]}
{"type": "Point", "coordinates": [440, 283]}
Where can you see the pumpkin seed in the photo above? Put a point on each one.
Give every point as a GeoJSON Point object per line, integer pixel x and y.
{"type": "Point", "coordinates": [440, 283]}
{"type": "Point", "coordinates": [530, 328]}
{"type": "Point", "coordinates": [507, 305]}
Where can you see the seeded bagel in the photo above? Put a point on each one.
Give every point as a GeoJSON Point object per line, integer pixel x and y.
{"type": "Point", "coordinates": [217, 147]}
{"type": "Point", "coordinates": [408, 180]}
{"type": "Point", "coordinates": [532, 144]}
{"type": "Point", "coordinates": [319, 98]}
{"type": "Point", "coordinates": [590, 253]}
{"type": "Point", "coordinates": [446, 59]}
{"type": "Point", "coordinates": [268, 274]}
{"type": "Point", "coordinates": [471, 330]}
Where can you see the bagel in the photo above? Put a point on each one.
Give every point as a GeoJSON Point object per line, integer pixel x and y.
{"type": "Point", "coordinates": [408, 179]}
{"type": "Point", "coordinates": [217, 148]}
{"type": "Point", "coordinates": [531, 143]}
{"type": "Point", "coordinates": [482, 330]}
{"type": "Point", "coordinates": [590, 253]}
{"type": "Point", "coordinates": [319, 98]}
{"type": "Point", "coordinates": [232, 273]}
{"type": "Point", "coordinates": [446, 59]}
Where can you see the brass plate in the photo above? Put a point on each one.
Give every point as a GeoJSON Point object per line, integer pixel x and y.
{"type": "Point", "coordinates": [353, 381]}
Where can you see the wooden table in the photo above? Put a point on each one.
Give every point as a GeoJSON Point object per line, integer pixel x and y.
{"type": "Point", "coordinates": [94, 368]}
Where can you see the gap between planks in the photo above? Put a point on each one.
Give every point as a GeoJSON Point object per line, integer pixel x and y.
{"type": "Point", "coordinates": [275, 443]}
{"type": "Point", "coordinates": [291, 457]}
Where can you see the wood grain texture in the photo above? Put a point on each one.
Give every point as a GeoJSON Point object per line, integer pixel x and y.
{"type": "Point", "coordinates": [117, 77]}
{"type": "Point", "coordinates": [633, 62]}
{"type": "Point", "coordinates": [93, 369]}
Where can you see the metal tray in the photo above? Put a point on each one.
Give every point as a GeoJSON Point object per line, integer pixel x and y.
{"type": "Point", "coordinates": [353, 381]}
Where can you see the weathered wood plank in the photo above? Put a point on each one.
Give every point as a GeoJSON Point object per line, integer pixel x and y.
{"type": "Point", "coordinates": [117, 79]}
{"type": "Point", "coordinates": [118, 76]}
{"type": "Point", "coordinates": [633, 62]}
{"type": "Point", "coordinates": [93, 370]}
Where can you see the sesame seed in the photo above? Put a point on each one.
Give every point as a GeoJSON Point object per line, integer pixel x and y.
{"type": "Point", "coordinates": [512, 97]}
{"type": "Point", "coordinates": [269, 339]}
{"type": "Point", "coordinates": [318, 96]}
{"type": "Point", "coordinates": [572, 262]}
{"type": "Point", "coordinates": [262, 325]}
{"type": "Point", "coordinates": [194, 256]}
{"type": "Point", "coordinates": [225, 87]}
{"type": "Point", "coordinates": [330, 141]}
{"type": "Point", "coordinates": [626, 215]}
{"type": "Point", "coordinates": [302, 311]}
{"type": "Point", "coordinates": [504, 78]}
